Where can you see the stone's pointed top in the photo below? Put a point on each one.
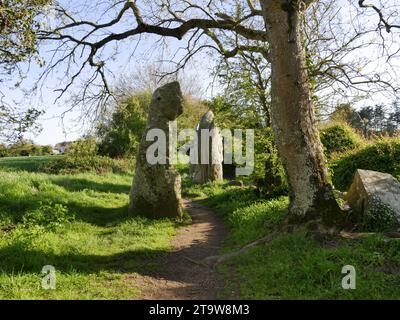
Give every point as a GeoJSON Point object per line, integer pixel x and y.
{"type": "Point", "coordinates": [167, 101]}
{"type": "Point", "coordinates": [206, 119]}
{"type": "Point", "coordinates": [173, 86]}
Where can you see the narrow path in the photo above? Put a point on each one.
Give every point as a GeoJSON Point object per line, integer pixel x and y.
{"type": "Point", "coordinates": [179, 278]}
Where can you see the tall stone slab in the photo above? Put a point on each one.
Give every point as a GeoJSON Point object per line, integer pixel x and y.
{"type": "Point", "coordinates": [210, 153]}
{"type": "Point", "coordinates": [156, 188]}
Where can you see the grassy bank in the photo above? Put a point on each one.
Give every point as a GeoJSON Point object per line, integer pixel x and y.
{"type": "Point", "coordinates": [295, 266]}
{"type": "Point", "coordinates": [78, 224]}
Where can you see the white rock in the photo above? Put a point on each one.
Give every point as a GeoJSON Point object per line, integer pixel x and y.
{"type": "Point", "coordinates": [372, 184]}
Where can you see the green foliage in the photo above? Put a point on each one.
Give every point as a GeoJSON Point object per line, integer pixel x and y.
{"type": "Point", "coordinates": [48, 216]}
{"type": "Point", "coordinates": [295, 266]}
{"type": "Point", "coordinates": [18, 27]}
{"type": "Point", "coordinates": [193, 110]}
{"type": "Point", "coordinates": [27, 148]}
{"type": "Point", "coordinates": [382, 156]}
{"type": "Point", "coordinates": [269, 173]}
{"type": "Point", "coordinates": [4, 151]}
{"type": "Point", "coordinates": [77, 164]}
{"type": "Point", "coordinates": [345, 113]}
{"type": "Point", "coordinates": [245, 80]}
{"type": "Point", "coordinates": [339, 137]}
{"type": "Point", "coordinates": [380, 217]}
{"type": "Point", "coordinates": [120, 135]}
{"type": "Point", "coordinates": [86, 147]}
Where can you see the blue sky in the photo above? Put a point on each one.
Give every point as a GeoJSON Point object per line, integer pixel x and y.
{"type": "Point", "coordinates": [56, 130]}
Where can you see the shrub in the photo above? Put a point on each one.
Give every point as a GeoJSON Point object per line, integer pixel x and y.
{"type": "Point", "coordinates": [338, 138]}
{"type": "Point", "coordinates": [98, 164]}
{"type": "Point", "coordinates": [379, 218]}
{"type": "Point", "coordinates": [49, 216]}
{"type": "Point", "coordinates": [24, 148]}
{"type": "Point", "coordinates": [4, 152]}
{"type": "Point", "coordinates": [269, 173]}
{"type": "Point", "coordinates": [120, 135]}
{"type": "Point", "coordinates": [83, 148]}
{"type": "Point", "coordinates": [383, 156]}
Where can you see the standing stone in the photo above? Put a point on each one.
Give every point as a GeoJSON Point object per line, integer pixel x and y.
{"type": "Point", "coordinates": [211, 171]}
{"type": "Point", "coordinates": [156, 188]}
{"type": "Point", "coordinates": [371, 187]}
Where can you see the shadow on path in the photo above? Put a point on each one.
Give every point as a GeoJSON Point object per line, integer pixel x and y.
{"type": "Point", "coordinates": [180, 278]}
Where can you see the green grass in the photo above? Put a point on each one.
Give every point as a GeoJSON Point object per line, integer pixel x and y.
{"type": "Point", "coordinates": [31, 164]}
{"type": "Point", "coordinates": [296, 266]}
{"type": "Point", "coordinates": [78, 224]}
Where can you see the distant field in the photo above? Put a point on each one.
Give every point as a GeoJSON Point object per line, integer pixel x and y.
{"type": "Point", "coordinates": [78, 224]}
{"type": "Point", "coordinates": [30, 164]}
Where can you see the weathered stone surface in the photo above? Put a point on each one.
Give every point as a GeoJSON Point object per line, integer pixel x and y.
{"type": "Point", "coordinates": [368, 185]}
{"type": "Point", "coordinates": [201, 172]}
{"type": "Point", "coordinates": [156, 188]}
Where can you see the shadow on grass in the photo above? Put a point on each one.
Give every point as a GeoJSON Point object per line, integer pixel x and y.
{"type": "Point", "coordinates": [96, 215]}
{"type": "Point", "coordinates": [157, 263]}
{"type": "Point", "coordinates": [74, 184]}
{"type": "Point", "coordinates": [17, 259]}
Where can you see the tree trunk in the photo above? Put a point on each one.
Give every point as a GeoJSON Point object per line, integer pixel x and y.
{"type": "Point", "coordinates": [293, 119]}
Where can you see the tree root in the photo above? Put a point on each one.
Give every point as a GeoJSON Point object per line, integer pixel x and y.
{"type": "Point", "coordinates": [213, 261]}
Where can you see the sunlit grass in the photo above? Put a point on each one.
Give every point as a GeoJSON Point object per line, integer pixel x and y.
{"type": "Point", "coordinates": [96, 247]}
{"type": "Point", "coordinates": [296, 266]}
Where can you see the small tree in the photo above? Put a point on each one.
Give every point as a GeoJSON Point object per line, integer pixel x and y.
{"type": "Point", "coordinates": [18, 30]}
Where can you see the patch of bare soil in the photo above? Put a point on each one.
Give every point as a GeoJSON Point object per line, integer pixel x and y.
{"type": "Point", "coordinates": [179, 278]}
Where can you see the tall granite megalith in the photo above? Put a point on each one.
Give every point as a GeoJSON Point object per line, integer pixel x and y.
{"type": "Point", "coordinates": [211, 169]}
{"type": "Point", "coordinates": [156, 188]}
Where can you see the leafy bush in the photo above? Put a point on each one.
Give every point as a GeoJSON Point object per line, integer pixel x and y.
{"type": "Point", "coordinates": [121, 133]}
{"type": "Point", "coordinates": [269, 173]}
{"type": "Point", "coordinates": [98, 164]}
{"type": "Point", "coordinates": [25, 148]}
{"type": "Point", "coordinates": [338, 138]}
{"type": "Point", "coordinates": [49, 216]}
{"type": "Point", "coordinates": [383, 156]}
{"type": "Point", "coordinates": [83, 148]}
{"type": "Point", "coordinates": [4, 152]}
{"type": "Point", "coordinates": [379, 218]}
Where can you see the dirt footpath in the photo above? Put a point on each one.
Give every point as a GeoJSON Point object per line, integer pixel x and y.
{"type": "Point", "coordinates": [179, 278]}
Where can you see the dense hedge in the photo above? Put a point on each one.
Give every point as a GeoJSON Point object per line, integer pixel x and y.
{"type": "Point", "coordinates": [269, 174]}
{"type": "Point", "coordinates": [383, 156]}
{"type": "Point", "coordinates": [338, 138]}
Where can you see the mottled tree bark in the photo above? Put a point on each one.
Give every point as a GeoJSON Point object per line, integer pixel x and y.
{"type": "Point", "coordinates": [293, 119]}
